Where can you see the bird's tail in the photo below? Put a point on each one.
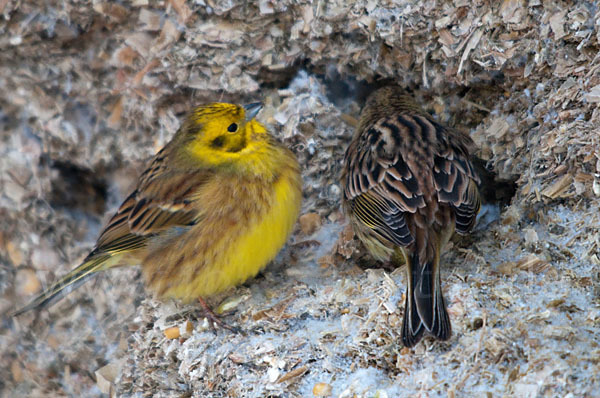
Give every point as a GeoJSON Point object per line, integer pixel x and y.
{"type": "Point", "coordinates": [69, 282]}
{"type": "Point", "coordinates": [425, 308]}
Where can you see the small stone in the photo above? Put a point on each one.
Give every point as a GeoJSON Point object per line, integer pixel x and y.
{"type": "Point", "coordinates": [231, 303]}
{"type": "Point", "coordinates": [273, 374]}
{"type": "Point", "coordinates": [531, 237]}
{"type": "Point", "coordinates": [507, 268]}
{"type": "Point", "coordinates": [186, 329]}
{"type": "Point", "coordinates": [322, 390]}
{"type": "Point", "coordinates": [27, 282]}
{"type": "Point", "coordinates": [596, 186]}
{"type": "Point", "coordinates": [43, 257]}
{"type": "Point", "coordinates": [106, 376]}
{"type": "Point", "coordinates": [511, 215]}
{"type": "Point", "coordinates": [17, 371]}
{"type": "Point", "coordinates": [172, 333]}
{"type": "Point", "coordinates": [53, 342]}
{"type": "Point", "coordinates": [14, 253]}
{"type": "Point", "coordinates": [309, 223]}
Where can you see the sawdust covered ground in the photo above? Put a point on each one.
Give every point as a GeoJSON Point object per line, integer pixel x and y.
{"type": "Point", "coordinates": [90, 91]}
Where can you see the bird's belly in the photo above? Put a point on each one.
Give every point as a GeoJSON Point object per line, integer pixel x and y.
{"type": "Point", "coordinates": [234, 259]}
{"type": "Point", "coordinates": [380, 248]}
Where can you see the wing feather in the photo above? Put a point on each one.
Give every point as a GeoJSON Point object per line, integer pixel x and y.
{"type": "Point", "coordinates": [381, 183]}
{"type": "Point", "coordinates": [161, 201]}
{"type": "Point", "coordinates": [456, 184]}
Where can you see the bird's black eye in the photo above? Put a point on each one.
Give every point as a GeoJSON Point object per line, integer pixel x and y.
{"type": "Point", "coordinates": [232, 128]}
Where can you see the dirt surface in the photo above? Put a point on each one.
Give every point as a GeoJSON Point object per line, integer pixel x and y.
{"type": "Point", "coordinates": [91, 90]}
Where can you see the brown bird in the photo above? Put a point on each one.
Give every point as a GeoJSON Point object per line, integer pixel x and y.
{"type": "Point", "coordinates": [408, 184]}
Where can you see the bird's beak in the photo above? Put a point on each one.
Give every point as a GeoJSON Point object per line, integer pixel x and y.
{"type": "Point", "coordinates": [252, 110]}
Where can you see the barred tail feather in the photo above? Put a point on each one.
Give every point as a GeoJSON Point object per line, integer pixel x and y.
{"type": "Point", "coordinates": [425, 307]}
{"type": "Point", "coordinates": [441, 327]}
{"type": "Point", "coordinates": [412, 326]}
{"type": "Point", "coordinates": [67, 283]}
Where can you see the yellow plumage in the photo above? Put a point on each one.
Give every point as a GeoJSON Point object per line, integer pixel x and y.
{"type": "Point", "coordinates": [214, 207]}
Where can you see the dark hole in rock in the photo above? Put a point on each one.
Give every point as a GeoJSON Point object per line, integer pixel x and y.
{"type": "Point", "coordinates": [492, 188]}
{"type": "Point", "coordinates": [279, 77]}
{"type": "Point", "coordinates": [77, 187]}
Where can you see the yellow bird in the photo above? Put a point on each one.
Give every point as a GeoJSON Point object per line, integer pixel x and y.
{"type": "Point", "coordinates": [408, 184]}
{"type": "Point", "coordinates": [214, 207]}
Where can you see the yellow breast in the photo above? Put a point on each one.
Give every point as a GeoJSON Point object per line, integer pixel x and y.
{"type": "Point", "coordinates": [233, 242]}
{"type": "Point", "coordinates": [263, 239]}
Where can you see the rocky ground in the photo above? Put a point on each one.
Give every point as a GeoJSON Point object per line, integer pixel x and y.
{"type": "Point", "coordinates": [90, 90]}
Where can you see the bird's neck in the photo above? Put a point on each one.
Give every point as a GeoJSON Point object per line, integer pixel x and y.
{"type": "Point", "coordinates": [263, 161]}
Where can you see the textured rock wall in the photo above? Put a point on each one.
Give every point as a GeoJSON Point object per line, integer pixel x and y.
{"type": "Point", "coordinates": [92, 89]}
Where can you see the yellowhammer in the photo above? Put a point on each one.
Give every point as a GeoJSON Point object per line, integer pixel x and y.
{"type": "Point", "coordinates": [408, 184]}
{"type": "Point", "coordinates": [215, 205]}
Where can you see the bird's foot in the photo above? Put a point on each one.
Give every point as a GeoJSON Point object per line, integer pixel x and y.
{"type": "Point", "coordinates": [215, 319]}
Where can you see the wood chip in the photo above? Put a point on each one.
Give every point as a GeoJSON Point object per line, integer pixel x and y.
{"type": "Point", "coordinates": [557, 24]}
{"type": "Point", "coordinates": [106, 376]}
{"type": "Point", "coordinates": [293, 374]}
{"type": "Point", "coordinates": [168, 35]}
{"type": "Point", "coordinates": [114, 120]}
{"type": "Point", "coordinates": [112, 10]}
{"type": "Point", "coordinates": [183, 11]}
{"type": "Point", "coordinates": [16, 371]}
{"type": "Point", "coordinates": [149, 20]}
{"type": "Point", "coordinates": [559, 188]}
{"type": "Point", "coordinates": [471, 44]}
{"type": "Point", "coordinates": [499, 128]}
{"type": "Point", "coordinates": [593, 95]}
{"type": "Point", "coordinates": [532, 263]}
{"type": "Point", "coordinates": [186, 329]}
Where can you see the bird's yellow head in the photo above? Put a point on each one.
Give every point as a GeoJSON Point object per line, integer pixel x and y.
{"type": "Point", "coordinates": [221, 133]}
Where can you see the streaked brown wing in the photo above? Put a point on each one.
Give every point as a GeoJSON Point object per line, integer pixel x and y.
{"type": "Point", "coordinates": [382, 181]}
{"type": "Point", "coordinates": [161, 201]}
{"type": "Point", "coordinates": [456, 184]}
{"type": "Point", "coordinates": [378, 183]}
{"type": "Point", "coordinates": [385, 220]}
